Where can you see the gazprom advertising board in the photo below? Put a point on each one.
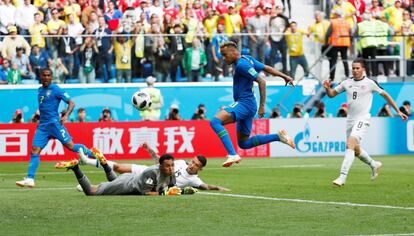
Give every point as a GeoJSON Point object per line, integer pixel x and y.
{"type": "Point", "coordinates": [327, 137]}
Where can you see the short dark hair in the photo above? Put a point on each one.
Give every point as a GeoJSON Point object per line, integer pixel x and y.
{"type": "Point", "coordinates": [46, 69]}
{"type": "Point", "coordinates": [202, 159]}
{"type": "Point", "coordinates": [165, 157]}
{"type": "Point", "coordinates": [293, 22]}
{"type": "Point", "coordinates": [405, 103]}
{"type": "Point", "coordinates": [360, 61]}
{"type": "Point", "coordinates": [81, 110]}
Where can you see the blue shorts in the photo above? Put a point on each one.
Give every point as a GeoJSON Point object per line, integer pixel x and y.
{"type": "Point", "coordinates": [243, 114]}
{"type": "Point", "coordinates": [44, 132]}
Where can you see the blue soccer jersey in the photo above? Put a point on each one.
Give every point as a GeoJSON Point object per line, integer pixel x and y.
{"type": "Point", "coordinates": [49, 99]}
{"type": "Point", "coordinates": [247, 71]}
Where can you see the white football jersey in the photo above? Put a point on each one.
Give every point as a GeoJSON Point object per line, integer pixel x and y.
{"type": "Point", "coordinates": [183, 178]}
{"type": "Point", "coordinates": [359, 96]}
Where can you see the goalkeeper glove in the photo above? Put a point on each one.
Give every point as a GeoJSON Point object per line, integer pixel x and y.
{"type": "Point", "coordinates": [172, 191]}
{"type": "Point", "coordinates": [189, 190]}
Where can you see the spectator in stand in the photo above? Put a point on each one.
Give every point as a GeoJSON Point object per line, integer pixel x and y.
{"type": "Point", "coordinates": [122, 48]}
{"type": "Point", "coordinates": [258, 28]}
{"type": "Point", "coordinates": [194, 61]}
{"type": "Point", "coordinates": [37, 30]}
{"type": "Point", "coordinates": [7, 16]}
{"type": "Point", "coordinates": [13, 76]}
{"type": "Point", "coordinates": [106, 115]}
{"type": "Point", "coordinates": [382, 28]}
{"type": "Point", "coordinates": [385, 111]}
{"type": "Point", "coordinates": [394, 15]}
{"type": "Point", "coordinates": [174, 113]}
{"type": "Point", "coordinates": [59, 70]}
{"type": "Point", "coordinates": [47, 10]}
{"type": "Point", "coordinates": [105, 47]}
{"type": "Point", "coordinates": [294, 40]}
{"type": "Point", "coordinates": [25, 17]}
{"type": "Point", "coordinates": [278, 25]}
{"type": "Point", "coordinates": [67, 47]}
{"type": "Point", "coordinates": [156, 9]}
{"type": "Point", "coordinates": [359, 6]}
{"type": "Point", "coordinates": [93, 22]}
{"type": "Point", "coordinates": [162, 59]}
{"type": "Point", "coordinates": [220, 68]}
{"type": "Point", "coordinates": [275, 113]}
{"type": "Point", "coordinates": [11, 42]}
{"type": "Point", "coordinates": [17, 117]}
{"type": "Point", "coordinates": [143, 9]}
{"type": "Point", "coordinates": [124, 4]}
{"type": "Point", "coordinates": [375, 9]}
{"type": "Point", "coordinates": [200, 113]}
{"type": "Point", "coordinates": [4, 70]}
{"type": "Point", "coordinates": [247, 10]}
{"type": "Point", "coordinates": [74, 9]}
{"type": "Point", "coordinates": [94, 7]}
{"type": "Point", "coordinates": [407, 106]}
{"type": "Point", "coordinates": [318, 31]}
{"type": "Point", "coordinates": [233, 24]}
{"type": "Point", "coordinates": [169, 9]}
{"type": "Point", "coordinates": [177, 47]}
{"type": "Point", "coordinates": [112, 13]}
{"type": "Point", "coordinates": [339, 37]}
{"type": "Point", "coordinates": [198, 10]}
{"type": "Point", "coordinates": [407, 30]}
{"type": "Point", "coordinates": [23, 63]}
{"type": "Point", "coordinates": [53, 26]}
{"type": "Point", "coordinates": [88, 56]}
{"type": "Point", "coordinates": [75, 30]}
{"type": "Point", "coordinates": [193, 26]}
{"type": "Point", "coordinates": [81, 116]}
{"type": "Point", "coordinates": [296, 112]}
{"type": "Point", "coordinates": [347, 10]}
{"type": "Point", "coordinates": [138, 51]}
{"type": "Point", "coordinates": [210, 23]}
{"type": "Point", "coordinates": [38, 60]}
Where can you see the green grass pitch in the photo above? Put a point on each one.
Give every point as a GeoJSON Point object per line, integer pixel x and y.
{"type": "Point", "coordinates": [266, 200]}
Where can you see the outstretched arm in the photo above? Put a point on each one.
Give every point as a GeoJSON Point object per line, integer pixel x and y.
{"type": "Point", "coordinates": [273, 71]}
{"type": "Point", "coordinates": [391, 101]}
{"type": "Point", "coordinates": [212, 187]}
{"type": "Point", "coordinates": [262, 90]}
{"type": "Point", "coordinates": [329, 91]}
{"type": "Point", "coordinates": [153, 154]}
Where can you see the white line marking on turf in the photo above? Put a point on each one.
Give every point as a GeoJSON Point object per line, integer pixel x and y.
{"type": "Point", "coordinates": [51, 173]}
{"type": "Point", "coordinates": [271, 167]}
{"type": "Point", "coordinates": [36, 189]}
{"type": "Point", "coordinates": [308, 201]}
{"type": "Point", "coordinates": [213, 168]}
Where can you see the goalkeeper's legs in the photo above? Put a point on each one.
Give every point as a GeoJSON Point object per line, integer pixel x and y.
{"type": "Point", "coordinates": [110, 174]}
{"type": "Point", "coordinates": [83, 181]}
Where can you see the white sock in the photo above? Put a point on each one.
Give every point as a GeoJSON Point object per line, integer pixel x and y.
{"type": "Point", "coordinates": [347, 163]}
{"type": "Point", "coordinates": [91, 162]}
{"type": "Point", "coordinates": [364, 157]}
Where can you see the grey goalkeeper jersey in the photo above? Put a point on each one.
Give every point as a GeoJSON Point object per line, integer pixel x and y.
{"type": "Point", "coordinates": [150, 180]}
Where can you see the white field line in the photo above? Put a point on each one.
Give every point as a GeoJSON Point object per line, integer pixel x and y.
{"type": "Point", "coordinates": [37, 189]}
{"type": "Point", "coordinates": [213, 168]}
{"type": "Point", "coordinates": [307, 201]}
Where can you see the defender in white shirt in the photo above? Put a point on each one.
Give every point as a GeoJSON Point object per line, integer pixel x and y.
{"type": "Point", "coordinates": [186, 174]}
{"type": "Point", "coordinates": [359, 92]}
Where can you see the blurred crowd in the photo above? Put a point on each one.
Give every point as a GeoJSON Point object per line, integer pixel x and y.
{"type": "Point", "coordinates": [89, 41]}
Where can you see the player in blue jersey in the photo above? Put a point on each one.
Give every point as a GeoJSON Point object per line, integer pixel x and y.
{"type": "Point", "coordinates": [50, 124]}
{"type": "Point", "coordinates": [244, 108]}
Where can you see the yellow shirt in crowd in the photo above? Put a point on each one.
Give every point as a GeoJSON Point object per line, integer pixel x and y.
{"type": "Point", "coordinates": [36, 30]}
{"type": "Point", "coordinates": [348, 10]}
{"type": "Point", "coordinates": [123, 54]}
{"type": "Point", "coordinates": [318, 31]}
{"type": "Point", "coordinates": [295, 42]}
{"type": "Point", "coordinates": [74, 9]}
{"type": "Point", "coordinates": [232, 23]}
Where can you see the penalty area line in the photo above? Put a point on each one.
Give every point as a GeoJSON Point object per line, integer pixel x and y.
{"type": "Point", "coordinates": [308, 201]}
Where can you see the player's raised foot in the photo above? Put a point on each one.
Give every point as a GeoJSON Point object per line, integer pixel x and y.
{"type": "Point", "coordinates": [231, 159]}
{"type": "Point", "coordinates": [66, 164]}
{"type": "Point", "coordinates": [285, 138]}
{"type": "Point", "coordinates": [26, 182]}
{"type": "Point", "coordinates": [98, 155]}
{"type": "Point", "coordinates": [338, 182]}
{"type": "Point", "coordinates": [79, 188]}
{"type": "Point", "coordinates": [376, 170]}
{"type": "Point", "coordinates": [82, 157]}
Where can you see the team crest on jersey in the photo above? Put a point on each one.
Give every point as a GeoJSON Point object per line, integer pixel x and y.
{"type": "Point", "coordinates": [252, 71]}
{"type": "Point", "coordinates": [149, 181]}
{"type": "Point", "coordinates": [48, 92]}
